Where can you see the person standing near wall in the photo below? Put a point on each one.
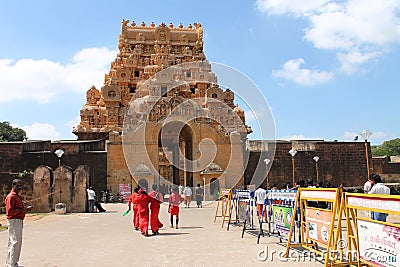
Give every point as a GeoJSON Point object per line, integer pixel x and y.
{"type": "Point", "coordinates": [378, 188]}
{"type": "Point", "coordinates": [91, 198]}
{"type": "Point", "coordinates": [15, 213]}
{"type": "Point", "coordinates": [199, 196]}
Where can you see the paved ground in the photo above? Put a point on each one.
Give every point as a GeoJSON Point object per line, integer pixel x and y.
{"type": "Point", "coordinates": [107, 239]}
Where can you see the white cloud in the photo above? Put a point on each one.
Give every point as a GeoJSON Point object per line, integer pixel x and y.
{"type": "Point", "coordinates": [349, 136]}
{"type": "Point", "coordinates": [43, 80]}
{"type": "Point", "coordinates": [292, 71]}
{"type": "Point", "coordinates": [289, 6]}
{"type": "Point", "coordinates": [357, 30]}
{"type": "Point", "coordinates": [375, 138]}
{"type": "Point", "coordinates": [41, 131]}
{"type": "Point", "coordinates": [73, 123]}
{"type": "Point", "coordinates": [298, 137]}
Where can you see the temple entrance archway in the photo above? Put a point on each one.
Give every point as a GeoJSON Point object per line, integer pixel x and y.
{"type": "Point", "coordinates": [175, 144]}
{"type": "Point", "coordinates": [144, 184]}
{"type": "Point", "coordinates": [214, 186]}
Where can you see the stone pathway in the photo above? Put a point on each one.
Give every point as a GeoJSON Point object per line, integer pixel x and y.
{"type": "Point", "coordinates": [108, 239]}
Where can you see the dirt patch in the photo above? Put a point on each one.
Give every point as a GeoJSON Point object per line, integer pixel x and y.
{"type": "Point", "coordinates": [28, 218]}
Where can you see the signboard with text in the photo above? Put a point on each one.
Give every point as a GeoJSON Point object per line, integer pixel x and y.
{"type": "Point", "coordinates": [379, 244]}
{"type": "Point", "coordinates": [125, 191]}
{"type": "Point", "coordinates": [318, 224]}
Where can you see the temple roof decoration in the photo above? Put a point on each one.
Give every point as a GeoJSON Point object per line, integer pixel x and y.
{"type": "Point", "coordinates": [144, 51]}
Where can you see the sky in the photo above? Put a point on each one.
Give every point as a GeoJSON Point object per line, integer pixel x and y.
{"type": "Point", "coordinates": [328, 69]}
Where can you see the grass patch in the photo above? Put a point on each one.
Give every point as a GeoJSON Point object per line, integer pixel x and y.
{"type": "Point", "coordinates": [3, 228]}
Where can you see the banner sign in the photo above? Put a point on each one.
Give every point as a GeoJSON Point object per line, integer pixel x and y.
{"type": "Point", "coordinates": [125, 191]}
{"type": "Point", "coordinates": [373, 203]}
{"type": "Point", "coordinates": [282, 218]}
{"type": "Point", "coordinates": [242, 194]}
{"type": "Point", "coordinates": [379, 244]}
{"type": "Point", "coordinates": [318, 224]}
{"type": "Point", "coordinates": [321, 194]}
{"type": "Point", "coordinates": [289, 195]}
{"type": "Point", "coordinates": [242, 207]}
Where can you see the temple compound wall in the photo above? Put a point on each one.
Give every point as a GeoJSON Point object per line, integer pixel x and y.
{"type": "Point", "coordinates": [339, 162]}
{"type": "Point", "coordinates": [82, 164]}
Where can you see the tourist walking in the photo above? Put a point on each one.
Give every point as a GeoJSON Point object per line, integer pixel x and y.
{"type": "Point", "coordinates": [260, 195]}
{"type": "Point", "coordinates": [15, 213]}
{"type": "Point", "coordinates": [174, 200]}
{"type": "Point", "coordinates": [133, 202]}
{"type": "Point", "coordinates": [199, 196]}
{"type": "Point", "coordinates": [188, 195]}
{"type": "Point", "coordinates": [378, 188]}
{"type": "Point", "coordinates": [156, 198]}
{"type": "Point", "coordinates": [143, 201]}
{"type": "Point", "coordinates": [91, 194]}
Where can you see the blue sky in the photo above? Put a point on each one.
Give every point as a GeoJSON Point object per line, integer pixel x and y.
{"type": "Point", "coordinates": [328, 69]}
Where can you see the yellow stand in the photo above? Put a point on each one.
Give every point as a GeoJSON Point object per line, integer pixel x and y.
{"type": "Point", "coordinates": [317, 223]}
{"type": "Point", "coordinates": [225, 200]}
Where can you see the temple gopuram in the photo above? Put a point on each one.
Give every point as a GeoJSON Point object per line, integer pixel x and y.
{"type": "Point", "coordinates": [162, 72]}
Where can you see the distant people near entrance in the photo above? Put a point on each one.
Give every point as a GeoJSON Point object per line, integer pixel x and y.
{"type": "Point", "coordinates": [91, 194]}
{"type": "Point", "coordinates": [134, 203]}
{"type": "Point", "coordinates": [156, 198]}
{"type": "Point", "coordinates": [143, 201]}
{"type": "Point", "coordinates": [174, 200]}
{"type": "Point", "coordinates": [180, 188]}
{"type": "Point", "coordinates": [188, 195]}
{"type": "Point", "coordinates": [378, 188]}
{"type": "Point", "coordinates": [199, 196]}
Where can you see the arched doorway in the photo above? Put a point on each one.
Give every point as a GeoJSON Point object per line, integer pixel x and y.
{"type": "Point", "coordinates": [144, 184]}
{"type": "Point", "coordinates": [175, 139]}
{"type": "Point", "coordinates": [214, 186]}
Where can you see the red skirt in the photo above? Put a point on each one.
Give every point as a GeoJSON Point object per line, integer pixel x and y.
{"type": "Point", "coordinates": [174, 210]}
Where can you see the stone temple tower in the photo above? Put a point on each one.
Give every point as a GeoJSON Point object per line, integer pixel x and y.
{"type": "Point", "coordinates": [161, 74]}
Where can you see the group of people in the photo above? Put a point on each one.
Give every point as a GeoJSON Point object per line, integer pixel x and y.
{"type": "Point", "coordinates": [187, 195]}
{"type": "Point", "coordinates": [141, 201]}
{"type": "Point", "coordinates": [146, 206]}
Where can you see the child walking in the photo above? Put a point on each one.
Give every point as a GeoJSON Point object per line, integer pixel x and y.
{"type": "Point", "coordinates": [174, 200]}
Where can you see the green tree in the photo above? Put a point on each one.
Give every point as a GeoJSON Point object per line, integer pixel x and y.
{"type": "Point", "coordinates": [388, 148]}
{"type": "Point", "coordinates": [11, 134]}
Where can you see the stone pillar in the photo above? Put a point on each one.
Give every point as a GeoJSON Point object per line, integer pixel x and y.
{"type": "Point", "coordinates": [42, 199]}
{"type": "Point", "coordinates": [79, 197]}
{"type": "Point", "coordinates": [63, 181]}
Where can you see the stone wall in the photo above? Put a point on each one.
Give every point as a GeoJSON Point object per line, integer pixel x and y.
{"type": "Point", "coordinates": [42, 188]}
{"type": "Point", "coordinates": [339, 163]}
{"type": "Point", "coordinates": [17, 157]}
{"type": "Point", "coordinates": [389, 171]}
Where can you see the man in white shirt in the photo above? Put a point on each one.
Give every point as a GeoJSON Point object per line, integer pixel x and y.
{"type": "Point", "coordinates": [260, 195]}
{"type": "Point", "coordinates": [91, 196]}
{"type": "Point", "coordinates": [188, 194]}
{"type": "Point", "coordinates": [378, 188]}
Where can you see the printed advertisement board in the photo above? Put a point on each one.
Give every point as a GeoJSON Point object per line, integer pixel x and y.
{"type": "Point", "coordinates": [379, 244]}
{"type": "Point", "coordinates": [125, 191]}
{"type": "Point", "coordinates": [318, 224]}
{"type": "Point", "coordinates": [282, 218]}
